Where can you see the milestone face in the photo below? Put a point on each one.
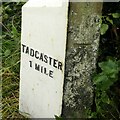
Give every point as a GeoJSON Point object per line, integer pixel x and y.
{"type": "Point", "coordinates": [43, 46]}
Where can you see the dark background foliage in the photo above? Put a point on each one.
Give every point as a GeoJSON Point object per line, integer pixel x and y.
{"type": "Point", "coordinates": [107, 79]}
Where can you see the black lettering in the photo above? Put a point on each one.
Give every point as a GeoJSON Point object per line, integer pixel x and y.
{"type": "Point", "coordinates": [36, 53]}
{"type": "Point", "coordinates": [45, 58]}
{"type": "Point", "coordinates": [45, 71]}
{"type": "Point", "coordinates": [50, 60]}
{"type": "Point", "coordinates": [41, 69]}
{"type": "Point", "coordinates": [31, 52]}
{"type": "Point", "coordinates": [60, 65]}
{"type": "Point", "coordinates": [23, 46]}
{"type": "Point", "coordinates": [55, 63]}
{"type": "Point", "coordinates": [41, 56]}
{"type": "Point", "coordinates": [37, 67]}
{"type": "Point", "coordinates": [51, 73]}
{"type": "Point", "coordinates": [27, 50]}
{"type": "Point", "coordinates": [30, 63]}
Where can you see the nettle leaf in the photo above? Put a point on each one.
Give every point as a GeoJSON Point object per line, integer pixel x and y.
{"type": "Point", "coordinates": [109, 20]}
{"type": "Point", "coordinates": [99, 78]}
{"type": "Point", "coordinates": [103, 85]}
{"type": "Point", "coordinates": [109, 67]}
{"type": "Point", "coordinates": [108, 76]}
{"type": "Point", "coordinates": [104, 28]}
{"type": "Point", "coordinates": [116, 15]}
{"type": "Point", "coordinates": [113, 75]}
{"type": "Point", "coordinates": [106, 84]}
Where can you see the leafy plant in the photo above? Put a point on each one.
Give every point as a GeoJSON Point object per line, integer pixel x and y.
{"type": "Point", "coordinates": [104, 28]}
{"type": "Point", "coordinates": [106, 81]}
{"type": "Point", "coordinates": [106, 107]}
{"type": "Point", "coordinates": [108, 20]}
{"type": "Point", "coordinates": [108, 76]}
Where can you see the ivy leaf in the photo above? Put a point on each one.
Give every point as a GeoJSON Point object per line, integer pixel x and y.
{"type": "Point", "coordinates": [116, 15]}
{"type": "Point", "coordinates": [109, 20]}
{"type": "Point", "coordinates": [104, 28]}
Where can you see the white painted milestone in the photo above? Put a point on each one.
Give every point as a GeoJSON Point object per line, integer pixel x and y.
{"type": "Point", "coordinates": [43, 45]}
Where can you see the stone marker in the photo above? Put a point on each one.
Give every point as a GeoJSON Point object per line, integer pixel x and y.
{"type": "Point", "coordinates": [43, 44]}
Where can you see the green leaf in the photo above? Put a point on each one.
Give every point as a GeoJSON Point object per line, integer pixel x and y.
{"type": "Point", "coordinates": [7, 52]}
{"type": "Point", "coordinates": [113, 75]}
{"type": "Point", "coordinates": [100, 21]}
{"type": "Point", "coordinates": [58, 118]}
{"type": "Point", "coordinates": [106, 84]}
{"type": "Point", "coordinates": [93, 115]}
{"type": "Point", "coordinates": [116, 15]}
{"type": "Point", "coordinates": [14, 30]}
{"type": "Point", "coordinates": [105, 98]}
{"type": "Point", "coordinates": [99, 78]}
{"type": "Point", "coordinates": [118, 64]}
{"type": "Point", "coordinates": [109, 20]}
{"type": "Point", "coordinates": [109, 67]}
{"type": "Point", "coordinates": [108, 76]}
{"type": "Point", "coordinates": [104, 28]}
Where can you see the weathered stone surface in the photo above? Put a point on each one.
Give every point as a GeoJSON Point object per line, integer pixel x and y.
{"type": "Point", "coordinates": [82, 47]}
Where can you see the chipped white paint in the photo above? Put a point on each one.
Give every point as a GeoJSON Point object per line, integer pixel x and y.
{"type": "Point", "coordinates": [43, 45]}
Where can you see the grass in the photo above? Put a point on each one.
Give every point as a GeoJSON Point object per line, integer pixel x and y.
{"type": "Point", "coordinates": [11, 28]}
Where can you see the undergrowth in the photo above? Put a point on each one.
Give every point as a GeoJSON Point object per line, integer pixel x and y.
{"type": "Point", "coordinates": [11, 29]}
{"type": "Point", "coordinates": [107, 78]}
